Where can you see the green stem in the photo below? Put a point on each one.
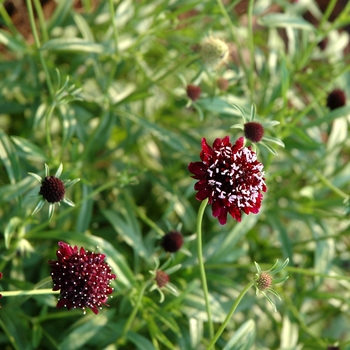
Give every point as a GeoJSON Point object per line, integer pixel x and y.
{"type": "Point", "coordinates": [15, 293]}
{"type": "Point", "coordinates": [42, 22]}
{"type": "Point", "coordinates": [135, 310]}
{"type": "Point", "coordinates": [38, 46]}
{"type": "Point", "coordinates": [239, 47]}
{"type": "Point", "coordinates": [47, 128]}
{"type": "Point", "coordinates": [201, 265]}
{"type": "Point", "coordinates": [251, 49]}
{"type": "Point", "coordinates": [229, 315]}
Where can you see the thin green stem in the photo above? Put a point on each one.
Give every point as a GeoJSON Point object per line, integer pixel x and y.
{"type": "Point", "coordinates": [15, 293]}
{"type": "Point", "coordinates": [251, 49]}
{"type": "Point", "coordinates": [42, 21]}
{"type": "Point", "coordinates": [38, 46]}
{"type": "Point", "coordinates": [328, 184]}
{"type": "Point", "coordinates": [201, 265]}
{"type": "Point", "coordinates": [239, 47]}
{"type": "Point", "coordinates": [135, 310]}
{"type": "Point", "coordinates": [229, 315]}
{"type": "Point", "coordinates": [114, 25]}
{"type": "Point", "coordinates": [47, 128]}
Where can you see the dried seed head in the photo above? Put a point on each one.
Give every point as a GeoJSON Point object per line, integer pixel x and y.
{"type": "Point", "coordinates": [253, 131]}
{"type": "Point", "coordinates": [52, 189]}
{"type": "Point", "coordinates": [214, 52]}
{"type": "Point", "coordinates": [336, 99]}
{"type": "Point", "coordinates": [172, 241]}
{"type": "Point", "coordinates": [162, 278]}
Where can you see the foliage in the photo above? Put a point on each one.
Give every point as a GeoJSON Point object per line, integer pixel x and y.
{"type": "Point", "coordinates": [101, 88]}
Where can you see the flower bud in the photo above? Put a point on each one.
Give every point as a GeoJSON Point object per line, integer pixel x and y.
{"type": "Point", "coordinates": [253, 131]}
{"type": "Point", "coordinates": [214, 52]}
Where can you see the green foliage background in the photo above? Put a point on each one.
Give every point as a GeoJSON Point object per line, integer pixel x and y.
{"type": "Point", "coordinates": [102, 91]}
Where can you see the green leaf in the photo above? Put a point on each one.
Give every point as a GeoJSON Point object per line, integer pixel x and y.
{"type": "Point", "coordinates": [283, 20]}
{"type": "Point", "coordinates": [9, 158]}
{"type": "Point", "coordinates": [127, 227]}
{"type": "Point", "coordinates": [77, 45]}
{"type": "Point", "coordinates": [29, 150]}
{"type": "Point", "coordinates": [12, 43]}
{"type": "Point", "coordinates": [243, 338]}
{"type": "Point", "coordinates": [10, 230]}
{"type": "Point", "coordinates": [140, 341]}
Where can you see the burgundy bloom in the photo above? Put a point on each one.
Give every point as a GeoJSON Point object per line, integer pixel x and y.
{"type": "Point", "coordinates": [162, 278]}
{"type": "Point", "coordinates": [336, 99]}
{"type": "Point", "coordinates": [82, 277]}
{"type": "Point", "coordinates": [172, 241]}
{"type": "Point", "coordinates": [253, 131]}
{"type": "Point", "coordinates": [231, 177]}
{"type": "Point", "coordinates": [264, 281]}
{"type": "Point", "coordinates": [52, 189]}
{"type": "Point", "coordinates": [193, 92]}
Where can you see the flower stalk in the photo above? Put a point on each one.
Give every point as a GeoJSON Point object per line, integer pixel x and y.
{"type": "Point", "coordinates": [201, 265]}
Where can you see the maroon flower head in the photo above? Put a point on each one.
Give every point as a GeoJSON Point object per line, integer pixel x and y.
{"type": "Point", "coordinates": [172, 241]}
{"type": "Point", "coordinates": [83, 278]}
{"type": "Point", "coordinates": [52, 189]}
{"type": "Point", "coordinates": [336, 99]}
{"type": "Point", "coordinates": [193, 92]}
{"type": "Point", "coordinates": [231, 177]}
{"type": "Point", "coordinates": [253, 131]}
{"type": "Point", "coordinates": [162, 278]}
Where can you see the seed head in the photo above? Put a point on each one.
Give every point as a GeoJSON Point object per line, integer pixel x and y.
{"type": "Point", "coordinates": [172, 241]}
{"type": "Point", "coordinates": [253, 131]}
{"type": "Point", "coordinates": [193, 92]}
{"type": "Point", "coordinates": [264, 281]}
{"type": "Point", "coordinates": [162, 278]}
{"type": "Point", "coordinates": [214, 52]}
{"type": "Point", "coordinates": [336, 99]}
{"type": "Point", "coordinates": [52, 189]}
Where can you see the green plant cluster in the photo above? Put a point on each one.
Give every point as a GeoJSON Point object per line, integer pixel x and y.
{"type": "Point", "coordinates": [100, 86]}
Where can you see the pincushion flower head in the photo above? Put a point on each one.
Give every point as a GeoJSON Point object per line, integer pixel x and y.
{"type": "Point", "coordinates": [83, 278]}
{"type": "Point", "coordinates": [161, 279]}
{"type": "Point", "coordinates": [172, 241]}
{"type": "Point", "coordinates": [52, 190]}
{"type": "Point", "coordinates": [231, 177]}
{"type": "Point", "coordinates": [213, 52]}
{"type": "Point", "coordinates": [263, 281]}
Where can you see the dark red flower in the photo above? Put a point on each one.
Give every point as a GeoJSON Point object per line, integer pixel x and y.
{"type": "Point", "coordinates": [82, 277]}
{"type": "Point", "coordinates": [231, 177]}
{"type": "Point", "coordinates": [172, 241]}
{"type": "Point", "coordinates": [52, 189]}
{"type": "Point", "coordinates": [162, 278]}
{"type": "Point", "coordinates": [253, 131]}
{"type": "Point", "coordinates": [193, 92]}
{"type": "Point", "coordinates": [336, 99]}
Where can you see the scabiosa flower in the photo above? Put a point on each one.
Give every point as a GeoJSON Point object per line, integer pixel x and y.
{"type": "Point", "coordinates": [83, 278]}
{"type": "Point", "coordinates": [263, 281]}
{"type": "Point", "coordinates": [53, 190]}
{"type": "Point", "coordinates": [336, 99]}
{"type": "Point", "coordinates": [253, 131]}
{"type": "Point", "coordinates": [172, 241]}
{"type": "Point", "coordinates": [231, 177]}
{"type": "Point", "coordinates": [213, 52]}
{"type": "Point", "coordinates": [162, 279]}
{"type": "Point", "coordinates": [193, 92]}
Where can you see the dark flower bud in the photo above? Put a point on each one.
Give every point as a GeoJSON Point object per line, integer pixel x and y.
{"type": "Point", "coordinates": [333, 347]}
{"type": "Point", "coordinates": [172, 241]}
{"type": "Point", "coordinates": [52, 189]}
{"type": "Point", "coordinates": [162, 278]}
{"type": "Point", "coordinates": [193, 92]}
{"type": "Point", "coordinates": [336, 99]}
{"type": "Point", "coordinates": [253, 131]}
